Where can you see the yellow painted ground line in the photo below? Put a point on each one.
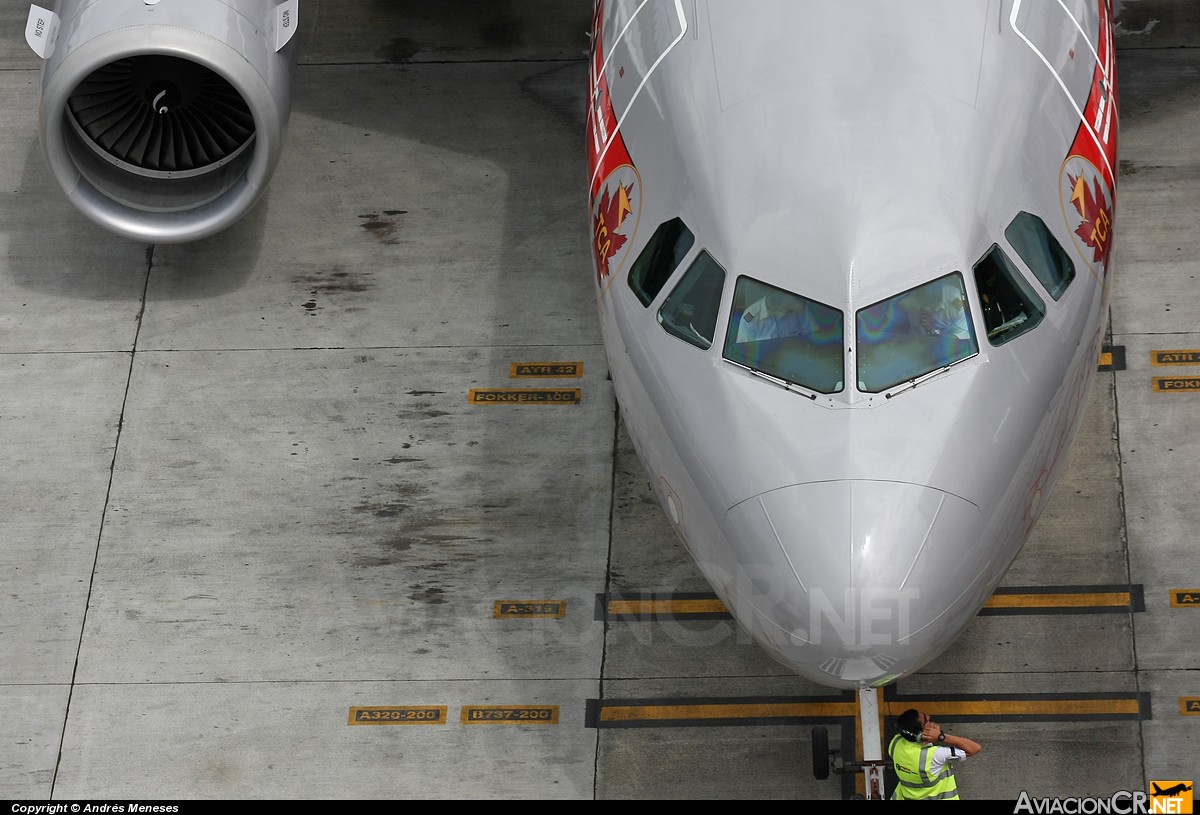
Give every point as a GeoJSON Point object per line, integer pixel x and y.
{"type": "Point", "coordinates": [1018, 707]}
{"type": "Point", "coordinates": [671, 606]}
{"type": "Point", "coordinates": [1002, 708]}
{"type": "Point", "coordinates": [1061, 600]}
{"type": "Point", "coordinates": [667, 606]}
{"type": "Point", "coordinates": [735, 710]}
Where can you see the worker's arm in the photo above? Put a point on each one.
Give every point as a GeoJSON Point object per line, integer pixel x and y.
{"type": "Point", "coordinates": [959, 743]}
{"type": "Point", "coordinates": [933, 733]}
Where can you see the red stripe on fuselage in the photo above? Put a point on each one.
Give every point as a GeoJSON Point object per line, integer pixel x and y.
{"type": "Point", "coordinates": [1096, 139]}
{"type": "Point", "coordinates": [606, 147]}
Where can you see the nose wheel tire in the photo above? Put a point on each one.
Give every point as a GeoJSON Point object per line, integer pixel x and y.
{"type": "Point", "coordinates": [820, 752]}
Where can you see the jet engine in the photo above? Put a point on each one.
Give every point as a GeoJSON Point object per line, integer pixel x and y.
{"type": "Point", "coordinates": [163, 120]}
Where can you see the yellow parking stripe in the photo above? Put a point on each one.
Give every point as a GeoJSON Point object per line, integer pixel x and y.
{"type": "Point", "coordinates": [1008, 600]}
{"type": "Point", "coordinates": [766, 711]}
{"type": "Point", "coordinates": [667, 607]}
{"type": "Point", "coordinates": [615, 712]}
{"type": "Point", "coordinates": [1059, 600]}
{"type": "Point", "coordinates": [1020, 707]}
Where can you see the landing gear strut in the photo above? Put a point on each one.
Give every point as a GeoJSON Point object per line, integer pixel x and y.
{"type": "Point", "coordinates": [872, 766]}
{"type": "Point", "coordinates": [872, 742]}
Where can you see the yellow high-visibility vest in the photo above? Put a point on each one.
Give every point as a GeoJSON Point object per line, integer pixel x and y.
{"type": "Point", "coordinates": [913, 763]}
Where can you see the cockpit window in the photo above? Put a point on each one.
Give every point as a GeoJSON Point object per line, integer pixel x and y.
{"type": "Point", "coordinates": [914, 333]}
{"type": "Point", "coordinates": [690, 311]}
{"type": "Point", "coordinates": [1010, 306]}
{"type": "Point", "coordinates": [1044, 256]}
{"type": "Point", "coordinates": [786, 336]}
{"type": "Point", "coordinates": [660, 257]}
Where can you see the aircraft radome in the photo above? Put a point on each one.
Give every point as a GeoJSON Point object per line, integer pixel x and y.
{"type": "Point", "coordinates": [852, 263]}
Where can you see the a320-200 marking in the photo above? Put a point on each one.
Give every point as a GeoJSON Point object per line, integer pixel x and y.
{"type": "Point", "coordinates": [388, 714]}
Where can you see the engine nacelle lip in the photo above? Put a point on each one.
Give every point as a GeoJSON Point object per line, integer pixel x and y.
{"type": "Point", "coordinates": [161, 224]}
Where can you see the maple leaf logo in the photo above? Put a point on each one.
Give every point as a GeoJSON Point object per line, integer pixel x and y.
{"type": "Point", "coordinates": [610, 215]}
{"type": "Point", "coordinates": [1096, 229]}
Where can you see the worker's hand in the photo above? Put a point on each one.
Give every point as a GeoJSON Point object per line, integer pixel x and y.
{"type": "Point", "coordinates": [931, 732]}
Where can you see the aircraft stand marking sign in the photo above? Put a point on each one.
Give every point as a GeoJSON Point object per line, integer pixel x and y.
{"type": "Point", "coordinates": [510, 714]}
{"type": "Point", "coordinates": [1176, 384]}
{"type": "Point", "coordinates": [398, 714]}
{"type": "Point", "coordinates": [1175, 357]}
{"type": "Point", "coordinates": [524, 396]}
{"type": "Point", "coordinates": [512, 609]}
{"type": "Point", "coordinates": [1185, 598]}
{"type": "Point", "coordinates": [545, 370]}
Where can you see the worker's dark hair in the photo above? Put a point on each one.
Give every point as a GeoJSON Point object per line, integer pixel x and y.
{"type": "Point", "coordinates": [909, 724]}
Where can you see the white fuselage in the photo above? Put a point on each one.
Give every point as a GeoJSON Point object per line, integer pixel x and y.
{"type": "Point", "coordinates": [848, 153]}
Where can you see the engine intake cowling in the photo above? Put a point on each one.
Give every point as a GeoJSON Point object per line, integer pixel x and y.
{"type": "Point", "coordinates": [163, 120]}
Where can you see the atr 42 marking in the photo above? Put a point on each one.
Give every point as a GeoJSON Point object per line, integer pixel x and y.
{"type": "Point", "coordinates": [1175, 357]}
{"type": "Point", "coordinates": [398, 714]}
{"type": "Point", "coordinates": [545, 370]}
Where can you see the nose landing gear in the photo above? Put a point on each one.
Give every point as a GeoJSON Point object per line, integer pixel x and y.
{"type": "Point", "coordinates": [872, 766]}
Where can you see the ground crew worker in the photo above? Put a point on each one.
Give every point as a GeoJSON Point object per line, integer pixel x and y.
{"type": "Point", "coordinates": [924, 757]}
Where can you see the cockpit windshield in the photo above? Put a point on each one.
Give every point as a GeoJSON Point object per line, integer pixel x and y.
{"type": "Point", "coordinates": [914, 333]}
{"type": "Point", "coordinates": [786, 336]}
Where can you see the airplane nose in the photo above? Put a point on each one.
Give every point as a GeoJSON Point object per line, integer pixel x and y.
{"type": "Point", "coordinates": [857, 582]}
